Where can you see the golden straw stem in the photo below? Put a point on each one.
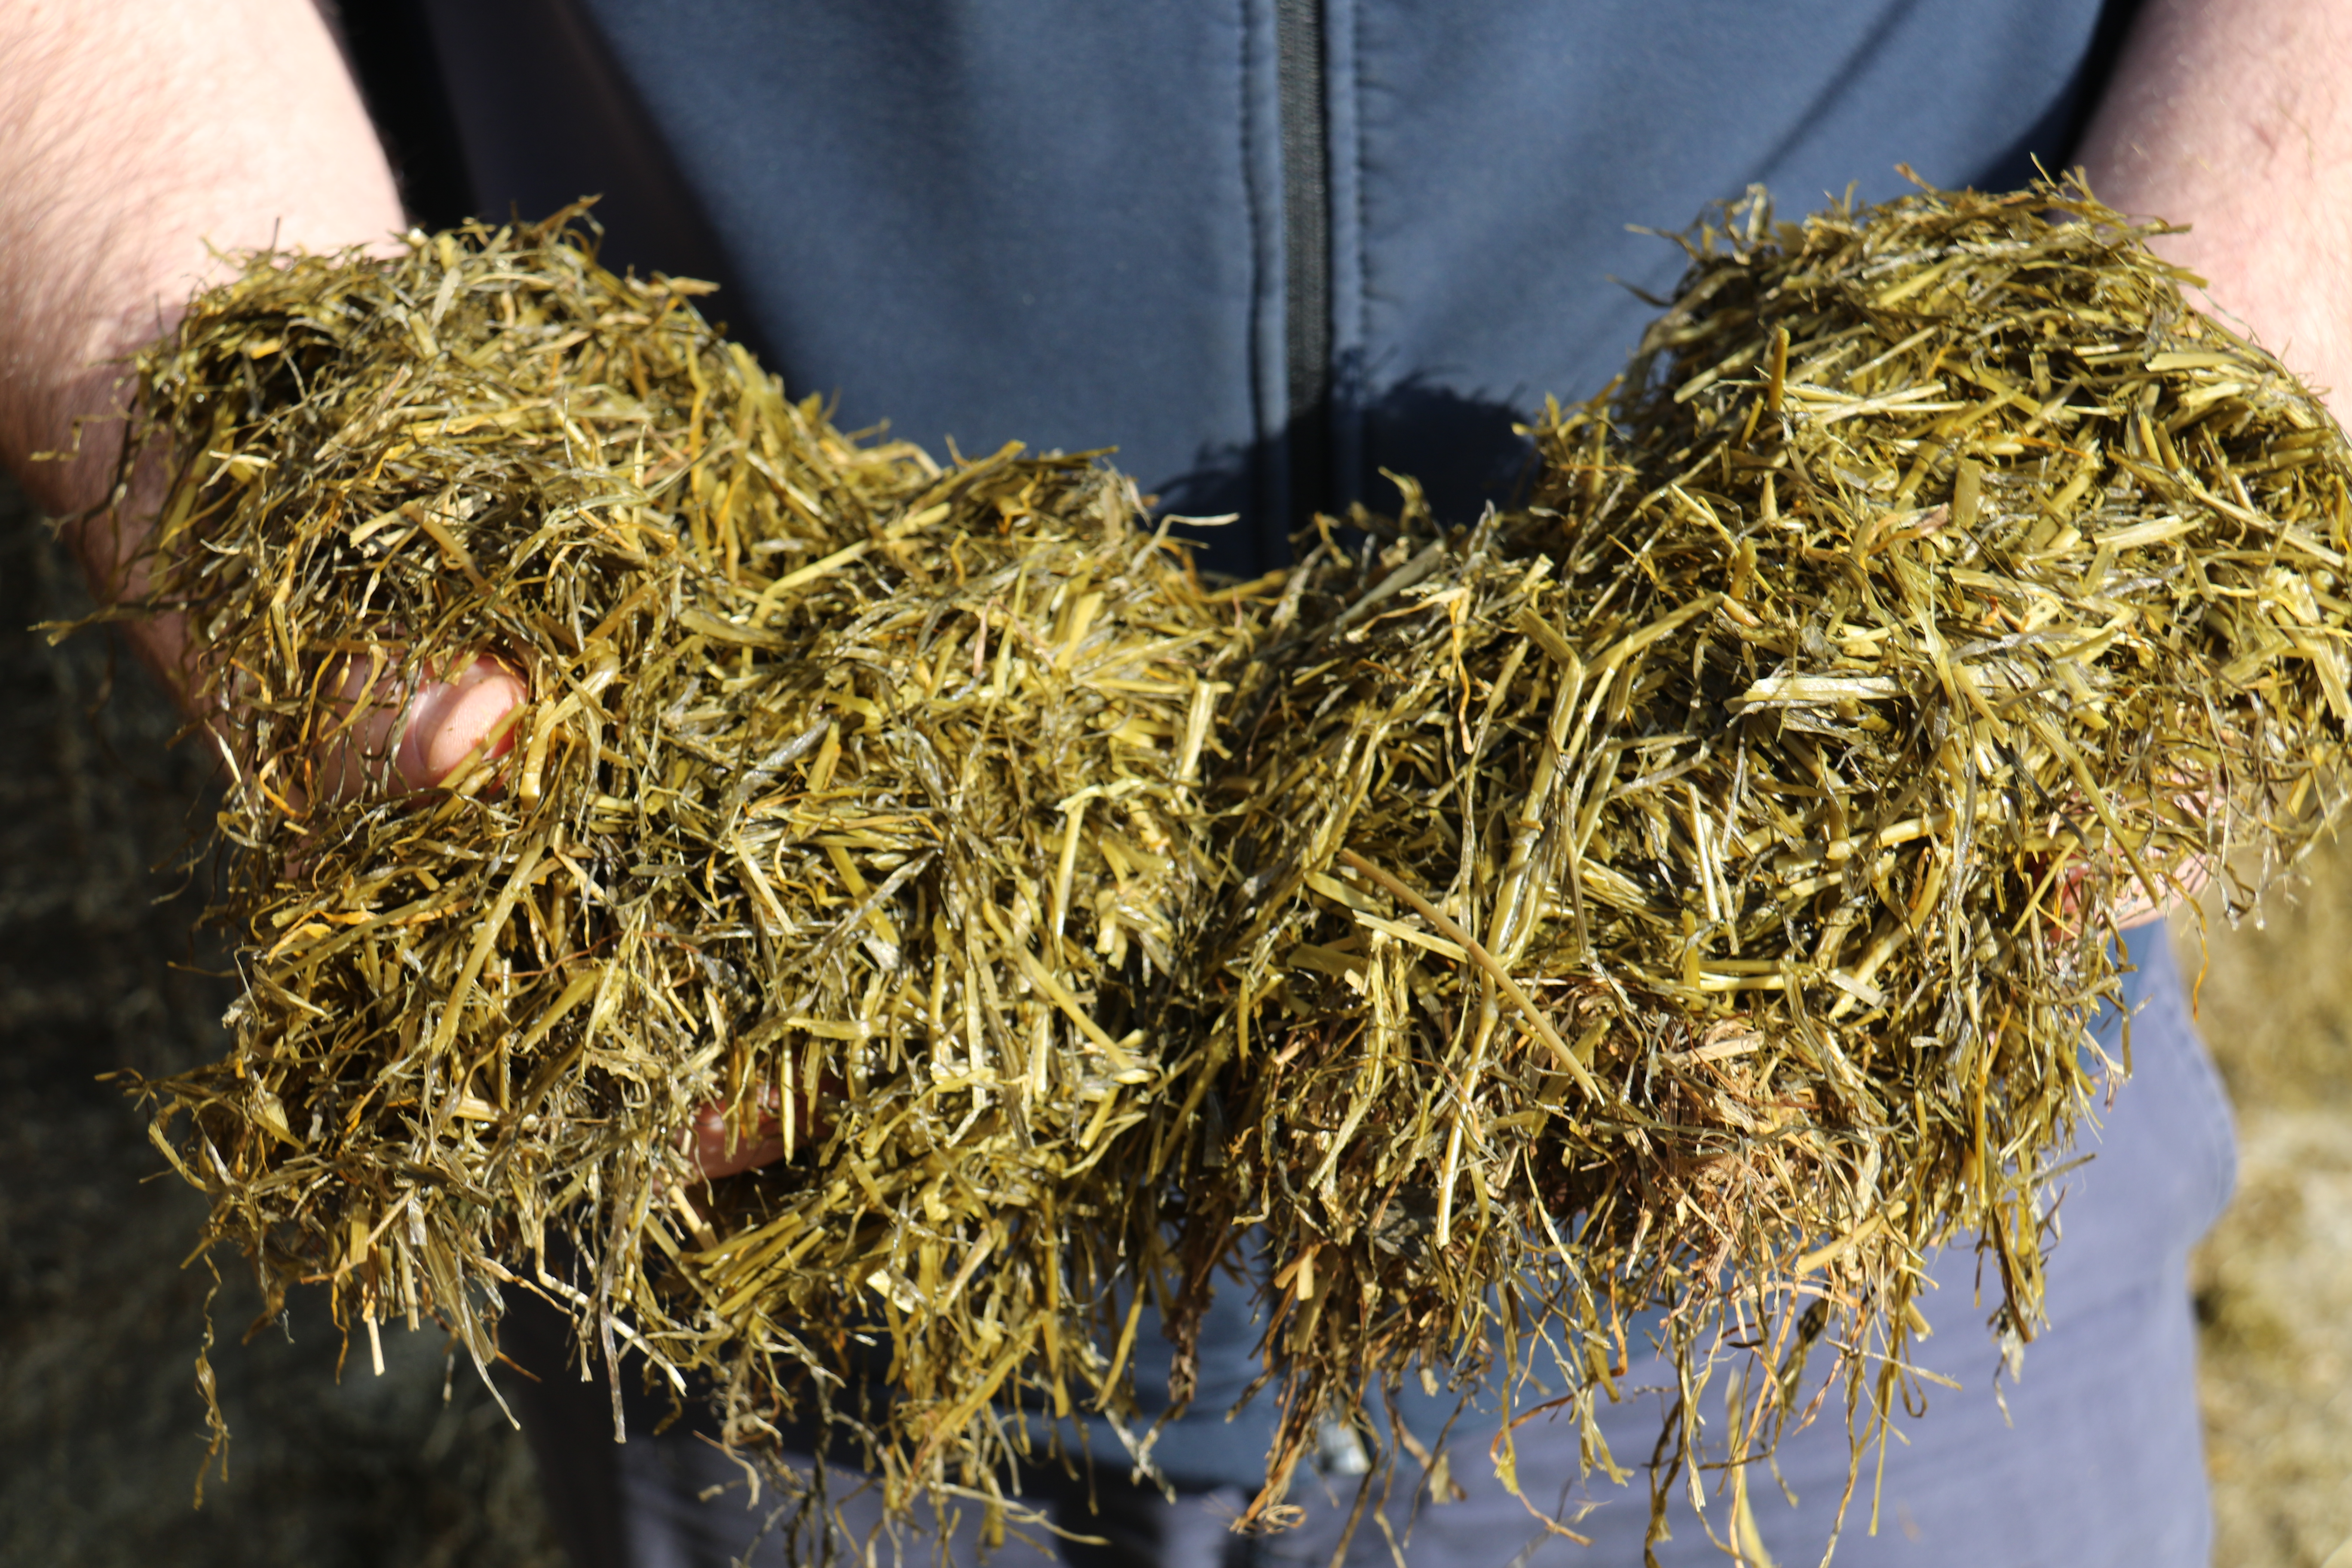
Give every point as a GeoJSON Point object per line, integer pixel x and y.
{"type": "Point", "coordinates": [1485, 961]}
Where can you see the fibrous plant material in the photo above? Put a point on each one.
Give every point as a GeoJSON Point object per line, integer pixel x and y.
{"type": "Point", "coordinates": [1683, 895]}
{"type": "Point", "coordinates": [1686, 895]}
{"type": "Point", "coordinates": [854, 795]}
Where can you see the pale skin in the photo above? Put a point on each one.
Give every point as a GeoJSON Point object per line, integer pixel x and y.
{"type": "Point", "coordinates": [138, 138]}
{"type": "Point", "coordinates": [2236, 118]}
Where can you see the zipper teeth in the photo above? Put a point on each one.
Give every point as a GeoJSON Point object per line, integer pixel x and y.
{"type": "Point", "coordinates": [1306, 247]}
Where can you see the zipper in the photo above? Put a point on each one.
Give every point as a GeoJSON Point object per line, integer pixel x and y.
{"type": "Point", "coordinates": [1306, 253]}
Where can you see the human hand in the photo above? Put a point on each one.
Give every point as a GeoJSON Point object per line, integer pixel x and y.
{"type": "Point", "coordinates": [719, 1154]}
{"type": "Point", "coordinates": [411, 736]}
{"type": "Point", "coordinates": [2133, 903]}
{"type": "Point", "coordinates": [2138, 909]}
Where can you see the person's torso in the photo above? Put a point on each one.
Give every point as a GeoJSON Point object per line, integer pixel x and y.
{"type": "Point", "coordinates": [1072, 224]}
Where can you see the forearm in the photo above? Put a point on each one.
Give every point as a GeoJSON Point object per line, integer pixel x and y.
{"type": "Point", "coordinates": [2235, 116]}
{"type": "Point", "coordinates": [136, 138]}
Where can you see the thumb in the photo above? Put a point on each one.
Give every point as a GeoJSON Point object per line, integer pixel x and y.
{"type": "Point", "coordinates": [448, 719]}
{"type": "Point", "coordinates": [400, 736]}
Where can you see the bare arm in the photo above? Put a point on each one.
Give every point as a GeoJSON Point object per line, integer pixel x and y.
{"type": "Point", "coordinates": [137, 138]}
{"type": "Point", "coordinates": [2235, 116]}
{"type": "Point", "coordinates": [137, 141]}
{"type": "Point", "coordinates": [134, 136]}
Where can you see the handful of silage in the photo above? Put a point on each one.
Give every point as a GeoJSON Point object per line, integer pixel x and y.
{"type": "Point", "coordinates": [1689, 893]}
{"type": "Point", "coordinates": [854, 795]}
{"type": "Point", "coordinates": [1686, 892]}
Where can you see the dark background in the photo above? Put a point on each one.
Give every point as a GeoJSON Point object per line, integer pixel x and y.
{"type": "Point", "coordinates": [102, 1427]}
